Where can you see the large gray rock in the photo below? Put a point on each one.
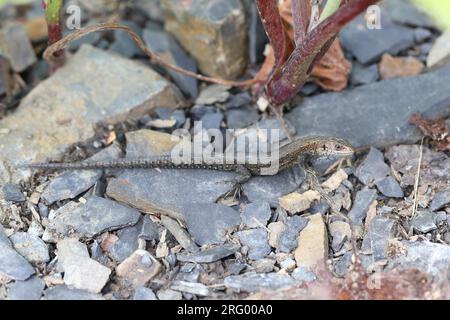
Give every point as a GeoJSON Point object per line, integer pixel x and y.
{"type": "Point", "coordinates": [368, 45]}
{"type": "Point", "coordinates": [251, 282]}
{"type": "Point", "coordinates": [214, 32]}
{"type": "Point", "coordinates": [62, 292]}
{"type": "Point", "coordinates": [404, 12]}
{"type": "Point", "coordinates": [30, 289]}
{"type": "Point", "coordinates": [377, 114]}
{"type": "Point", "coordinates": [13, 265]}
{"type": "Point", "coordinates": [64, 109]}
{"type": "Point", "coordinates": [16, 47]}
{"type": "Point", "coordinates": [94, 217]}
{"type": "Point", "coordinates": [31, 247]}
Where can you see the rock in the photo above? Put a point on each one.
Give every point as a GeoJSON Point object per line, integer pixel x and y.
{"type": "Point", "coordinates": [340, 232]}
{"type": "Point", "coordinates": [263, 265]}
{"type": "Point", "coordinates": [70, 248]}
{"type": "Point", "coordinates": [390, 187]}
{"type": "Point", "coordinates": [16, 47]}
{"type": "Point", "coordinates": [12, 192]}
{"type": "Point", "coordinates": [209, 255]}
{"type": "Point", "coordinates": [434, 169]}
{"type": "Point", "coordinates": [212, 94]}
{"type": "Point", "coordinates": [276, 228]}
{"type": "Point", "coordinates": [257, 242]}
{"type": "Point", "coordinates": [399, 67]}
{"type": "Point", "coordinates": [312, 249]}
{"type": "Point", "coordinates": [4, 238]}
{"type": "Point", "coordinates": [256, 214]}
{"type": "Point", "coordinates": [376, 242]}
{"type": "Point", "coordinates": [363, 200]}
{"type": "Point", "coordinates": [421, 35]}
{"type": "Point", "coordinates": [31, 247]}
{"type": "Point", "coordinates": [404, 12]}
{"type": "Point", "coordinates": [251, 282]}
{"type": "Point", "coordinates": [390, 121]}
{"type": "Point", "coordinates": [210, 223]}
{"type": "Point", "coordinates": [288, 264]}
{"type": "Point", "coordinates": [296, 202]}
{"type": "Point", "coordinates": [363, 75]}
{"type": "Point", "coordinates": [198, 289]}
{"type": "Point", "coordinates": [368, 45]}
{"type": "Point", "coordinates": [169, 294]}
{"type": "Point", "coordinates": [424, 221]}
{"type": "Point", "coordinates": [67, 112]}
{"type": "Point", "coordinates": [143, 293]}
{"type": "Point", "coordinates": [36, 29]}
{"type": "Point", "coordinates": [70, 184]}
{"type": "Point", "coordinates": [303, 274]}
{"type": "Point", "coordinates": [342, 266]}
{"type": "Point", "coordinates": [213, 32]}
{"type": "Point", "coordinates": [238, 118]}
{"type": "Point", "coordinates": [257, 36]}
{"type": "Point", "coordinates": [96, 216]}
{"type": "Point", "coordinates": [85, 274]}
{"type": "Point", "coordinates": [179, 234]}
{"type": "Point", "coordinates": [333, 182]}
{"type": "Point", "coordinates": [123, 44]}
{"type": "Point", "coordinates": [432, 258]}
{"type": "Point", "coordinates": [148, 143]}
{"type": "Point", "coordinates": [30, 289]}
{"type": "Point", "coordinates": [127, 243]}
{"type": "Point", "coordinates": [373, 168]}
{"type": "Point", "coordinates": [440, 200]}
{"type": "Point", "coordinates": [212, 120]}
{"type": "Point", "coordinates": [13, 265]}
{"type": "Point", "coordinates": [440, 52]}
{"type": "Point", "coordinates": [288, 238]}
{"type": "Point", "coordinates": [271, 188]}
{"type": "Point", "coordinates": [138, 269]}
{"type": "Point", "coordinates": [64, 293]}
{"type": "Point", "coordinates": [150, 230]}
{"type": "Point", "coordinates": [164, 45]}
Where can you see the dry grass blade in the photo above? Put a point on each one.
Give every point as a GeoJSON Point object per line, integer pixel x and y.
{"type": "Point", "coordinates": [417, 180]}
{"type": "Point", "coordinates": [49, 54]}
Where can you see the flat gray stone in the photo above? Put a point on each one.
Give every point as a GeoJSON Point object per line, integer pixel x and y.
{"type": "Point", "coordinates": [251, 282]}
{"type": "Point", "coordinates": [127, 243]}
{"type": "Point", "coordinates": [214, 32]}
{"type": "Point", "coordinates": [424, 221]}
{"type": "Point", "coordinates": [431, 258]}
{"type": "Point", "coordinates": [16, 46]}
{"type": "Point", "coordinates": [30, 289]}
{"type": "Point", "coordinates": [150, 230]}
{"type": "Point", "coordinates": [270, 188]}
{"type": "Point", "coordinates": [123, 44]}
{"type": "Point", "coordinates": [288, 239]}
{"type": "Point", "coordinates": [440, 200]}
{"type": "Point", "coordinates": [31, 247]}
{"type": "Point", "coordinates": [169, 191]}
{"type": "Point", "coordinates": [13, 265]}
{"type": "Point", "coordinates": [70, 184]}
{"type": "Point", "coordinates": [257, 242]}
{"type": "Point", "coordinates": [3, 237]}
{"type": "Point", "coordinates": [238, 118]}
{"type": "Point", "coordinates": [376, 241]}
{"type": "Point", "coordinates": [404, 12]}
{"type": "Point", "coordinates": [12, 192]}
{"type": "Point", "coordinates": [143, 293]}
{"type": "Point", "coordinates": [363, 200]}
{"type": "Point", "coordinates": [368, 45]}
{"type": "Point", "coordinates": [390, 187]}
{"type": "Point", "coordinates": [210, 223]}
{"type": "Point", "coordinates": [68, 106]}
{"type": "Point", "coordinates": [96, 216]}
{"type": "Point", "coordinates": [364, 75]}
{"type": "Point", "coordinates": [303, 274]}
{"type": "Point", "coordinates": [61, 292]}
{"type": "Point", "coordinates": [212, 94]}
{"type": "Point", "coordinates": [209, 255]}
{"type": "Point", "coordinates": [342, 266]}
{"type": "Point", "coordinates": [163, 44]}
{"type": "Point", "coordinates": [256, 214]}
{"type": "Point", "coordinates": [377, 114]}
{"type": "Point", "coordinates": [373, 168]}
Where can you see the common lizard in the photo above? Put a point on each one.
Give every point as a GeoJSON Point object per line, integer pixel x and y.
{"type": "Point", "coordinates": [290, 155]}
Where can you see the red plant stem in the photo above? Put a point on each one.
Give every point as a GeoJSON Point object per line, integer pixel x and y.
{"type": "Point", "coordinates": [285, 84]}
{"type": "Point", "coordinates": [271, 18]}
{"type": "Point", "coordinates": [301, 11]}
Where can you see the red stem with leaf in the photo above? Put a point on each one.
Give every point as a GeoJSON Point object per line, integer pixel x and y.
{"type": "Point", "coordinates": [292, 66]}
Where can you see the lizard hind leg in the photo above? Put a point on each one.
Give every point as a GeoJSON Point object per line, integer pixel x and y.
{"type": "Point", "coordinates": [244, 176]}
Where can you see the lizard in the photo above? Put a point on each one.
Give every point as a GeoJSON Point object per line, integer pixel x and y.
{"type": "Point", "coordinates": [291, 154]}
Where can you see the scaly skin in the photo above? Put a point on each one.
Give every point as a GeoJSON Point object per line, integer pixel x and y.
{"type": "Point", "coordinates": [289, 156]}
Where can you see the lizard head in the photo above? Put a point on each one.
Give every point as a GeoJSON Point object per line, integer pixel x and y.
{"type": "Point", "coordinates": [327, 146]}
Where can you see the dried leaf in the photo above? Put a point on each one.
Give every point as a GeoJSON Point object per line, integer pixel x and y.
{"type": "Point", "coordinates": [437, 130]}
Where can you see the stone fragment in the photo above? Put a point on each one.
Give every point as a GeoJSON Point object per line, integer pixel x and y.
{"type": "Point", "coordinates": [296, 202]}
{"type": "Point", "coordinates": [62, 292]}
{"type": "Point", "coordinates": [256, 214]}
{"type": "Point", "coordinates": [399, 67]}
{"type": "Point", "coordinates": [440, 52]}
{"type": "Point", "coordinates": [16, 47]}
{"type": "Point", "coordinates": [12, 192]}
{"type": "Point", "coordinates": [209, 255]}
{"type": "Point", "coordinates": [138, 269]}
{"type": "Point", "coordinates": [13, 265]}
{"type": "Point", "coordinates": [257, 242]}
{"type": "Point", "coordinates": [30, 289]}
{"type": "Point", "coordinates": [31, 247]}
{"type": "Point", "coordinates": [179, 234]}
{"type": "Point", "coordinates": [424, 221]}
{"type": "Point", "coordinates": [251, 282]}
{"type": "Point", "coordinates": [363, 200]}
{"type": "Point", "coordinates": [440, 200]}
{"type": "Point", "coordinates": [143, 293]}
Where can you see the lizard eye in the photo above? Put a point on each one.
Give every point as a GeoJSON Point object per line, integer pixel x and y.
{"type": "Point", "coordinates": [339, 147]}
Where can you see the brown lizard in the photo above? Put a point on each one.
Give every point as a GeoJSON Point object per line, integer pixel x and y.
{"type": "Point", "coordinates": [291, 154]}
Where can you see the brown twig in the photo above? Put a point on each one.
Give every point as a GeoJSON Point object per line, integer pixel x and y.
{"type": "Point", "coordinates": [50, 52]}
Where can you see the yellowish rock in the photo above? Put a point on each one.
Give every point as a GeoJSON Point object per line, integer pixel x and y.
{"type": "Point", "coordinates": [333, 182]}
{"type": "Point", "coordinates": [296, 202]}
{"type": "Point", "coordinates": [312, 247]}
{"type": "Point", "coordinates": [276, 228]}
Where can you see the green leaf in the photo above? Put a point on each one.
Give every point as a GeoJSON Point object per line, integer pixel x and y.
{"type": "Point", "coordinates": [439, 10]}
